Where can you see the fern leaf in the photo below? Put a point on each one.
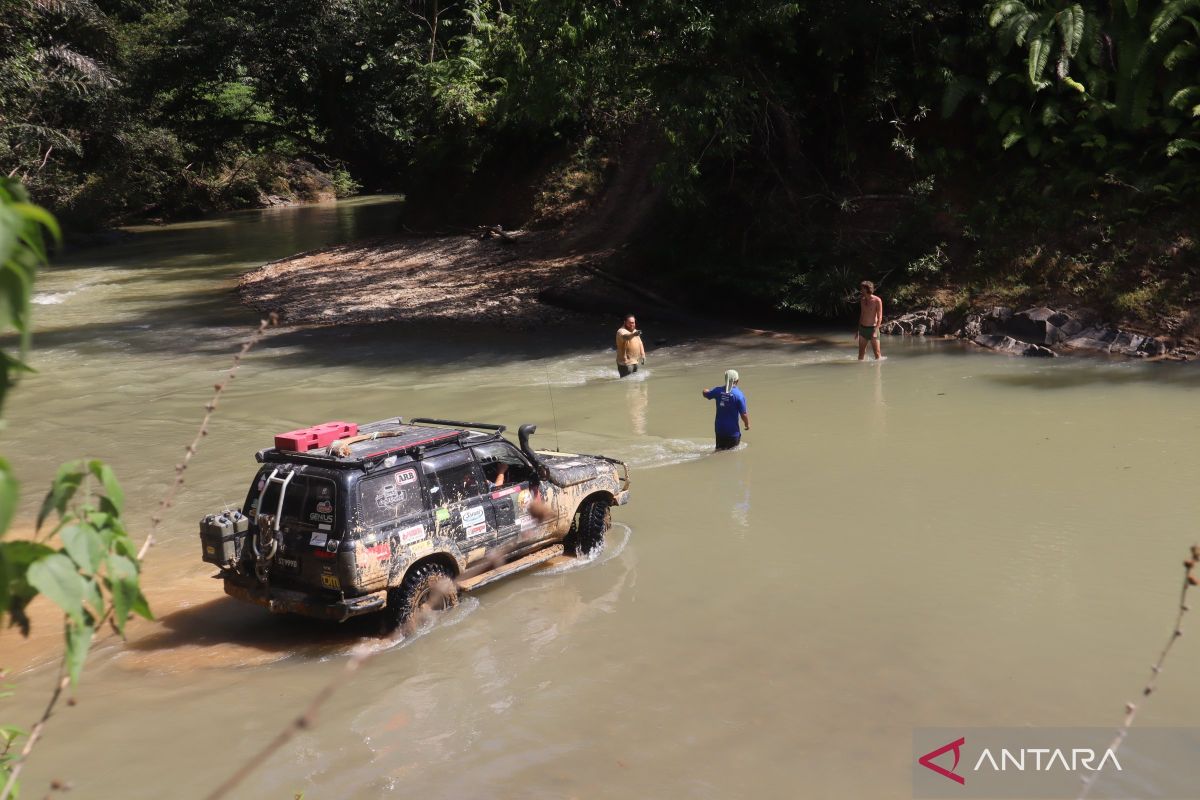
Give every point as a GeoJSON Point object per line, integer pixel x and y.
{"type": "Point", "coordinates": [1070, 24]}
{"type": "Point", "coordinates": [1178, 146]}
{"type": "Point", "coordinates": [1005, 9]}
{"type": "Point", "coordinates": [1169, 14]}
{"type": "Point", "coordinates": [1012, 138]}
{"type": "Point", "coordinates": [956, 90]}
{"type": "Point", "coordinates": [1183, 98]}
{"type": "Point", "coordinates": [1022, 26]}
{"type": "Point", "coordinates": [1131, 7]}
{"type": "Point", "coordinates": [1039, 56]}
{"type": "Point", "coordinates": [1185, 51]}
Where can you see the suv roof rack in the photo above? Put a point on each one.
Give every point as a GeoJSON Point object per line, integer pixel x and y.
{"type": "Point", "coordinates": [483, 426]}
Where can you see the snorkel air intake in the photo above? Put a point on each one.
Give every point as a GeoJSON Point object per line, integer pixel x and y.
{"type": "Point", "coordinates": [523, 434]}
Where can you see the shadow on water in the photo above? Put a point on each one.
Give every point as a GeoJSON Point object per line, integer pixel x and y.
{"type": "Point", "coordinates": [224, 632]}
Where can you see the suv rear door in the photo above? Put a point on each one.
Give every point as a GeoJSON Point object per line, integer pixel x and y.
{"type": "Point", "coordinates": [309, 520]}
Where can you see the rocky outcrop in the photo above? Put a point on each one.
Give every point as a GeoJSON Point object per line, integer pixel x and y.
{"type": "Point", "coordinates": [1035, 332]}
{"type": "Point", "coordinates": [1007, 344]}
{"type": "Point", "coordinates": [929, 322]}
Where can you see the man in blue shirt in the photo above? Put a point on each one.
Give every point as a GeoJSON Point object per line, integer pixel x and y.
{"type": "Point", "coordinates": [731, 404]}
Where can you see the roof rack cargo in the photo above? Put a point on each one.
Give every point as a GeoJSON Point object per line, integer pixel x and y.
{"type": "Point", "coordinates": [483, 426]}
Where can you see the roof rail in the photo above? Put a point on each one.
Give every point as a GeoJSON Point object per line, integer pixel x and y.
{"type": "Point", "coordinates": [485, 426]}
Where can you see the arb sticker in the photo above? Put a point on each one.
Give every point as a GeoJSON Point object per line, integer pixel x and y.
{"type": "Point", "coordinates": [406, 476]}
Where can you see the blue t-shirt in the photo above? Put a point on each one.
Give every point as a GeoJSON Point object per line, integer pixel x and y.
{"type": "Point", "coordinates": [729, 406]}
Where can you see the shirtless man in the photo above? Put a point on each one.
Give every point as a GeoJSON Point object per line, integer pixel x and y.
{"type": "Point", "coordinates": [870, 317]}
{"type": "Point", "coordinates": [630, 350]}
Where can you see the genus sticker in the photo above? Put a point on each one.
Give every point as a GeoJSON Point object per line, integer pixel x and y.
{"type": "Point", "coordinates": [414, 534]}
{"type": "Point", "coordinates": [472, 516]}
{"type": "Point", "coordinates": [319, 539]}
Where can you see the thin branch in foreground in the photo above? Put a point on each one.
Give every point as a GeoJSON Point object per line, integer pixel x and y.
{"type": "Point", "coordinates": [211, 406]}
{"type": "Point", "coordinates": [1131, 709]}
{"type": "Point", "coordinates": [303, 722]}
{"type": "Point", "coordinates": [168, 499]}
{"type": "Point", "coordinates": [35, 733]}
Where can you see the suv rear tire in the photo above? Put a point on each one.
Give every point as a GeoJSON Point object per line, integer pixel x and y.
{"type": "Point", "coordinates": [595, 518]}
{"type": "Point", "coordinates": [420, 586]}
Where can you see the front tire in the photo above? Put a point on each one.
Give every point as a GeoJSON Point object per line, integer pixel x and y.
{"type": "Point", "coordinates": [587, 537]}
{"type": "Point", "coordinates": [428, 587]}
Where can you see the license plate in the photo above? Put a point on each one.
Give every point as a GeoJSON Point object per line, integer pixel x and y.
{"type": "Point", "coordinates": [288, 563]}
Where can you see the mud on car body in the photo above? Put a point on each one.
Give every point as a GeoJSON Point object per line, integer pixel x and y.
{"type": "Point", "coordinates": [343, 520]}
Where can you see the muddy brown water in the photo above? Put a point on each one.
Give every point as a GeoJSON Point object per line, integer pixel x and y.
{"type": "Point", "coordinates": [945, 538]}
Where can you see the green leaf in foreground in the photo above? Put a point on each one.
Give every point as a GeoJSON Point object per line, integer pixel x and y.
{"type": "Point", "coordinates": [56, 577]}
{"type": "Point", "coordinates": [15, 591]}
{"type": "Point", "coordinates": [126, 593]}
{"type": "Point", "coordinates": [84, 545]}
{"type": "Point", "coordinates": [112, 489]}
{"type": "Point", "coordinates": [79, 640]}
{"type": "Point", "coordinates": [8, 496]}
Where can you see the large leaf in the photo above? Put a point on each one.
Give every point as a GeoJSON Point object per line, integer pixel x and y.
{"type": "Point", "coordinates": [1070, 24]}
{"type": "Point", "coordinates": [62, 489]}
{"type": "Point", "coordinates": [56, 577]}
{"type": "Point", "coordinates": [79, 641]}
{"type": "Point", "coordinates": [84, 545]}
{"type": "Point", "coordinates": [108, 479]}
{"type": "Point", "coordinates": [9, 491]}
{"type": "Point", "coordinates": [1039, 55]}
{"type": "Point", "coordinates": [15, 591]}
{"type": "Point", "coordinates": [126, 593]}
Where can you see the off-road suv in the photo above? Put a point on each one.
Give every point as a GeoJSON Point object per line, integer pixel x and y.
{"type": "Point", "coordinates": [343, 520]}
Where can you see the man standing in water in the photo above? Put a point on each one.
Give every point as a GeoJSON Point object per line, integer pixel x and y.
{"type": "Point", "coordinates": [870, 317]}
{"type": "Point", "coordinates": [731, 404]}
{"type": "Point", "coordinates": [630, 350]}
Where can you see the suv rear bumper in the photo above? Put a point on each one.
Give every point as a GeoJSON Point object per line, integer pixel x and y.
{"type": "Point", "coordinates": [291, 601]}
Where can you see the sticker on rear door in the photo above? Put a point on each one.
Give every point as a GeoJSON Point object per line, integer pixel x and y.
{"type": "Point", "coordinates": [414, 534]}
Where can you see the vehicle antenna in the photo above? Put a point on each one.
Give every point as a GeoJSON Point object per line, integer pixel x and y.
{"type": "Point", "coordinates": [553, 412]}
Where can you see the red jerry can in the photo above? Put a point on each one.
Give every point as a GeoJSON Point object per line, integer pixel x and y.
{"type": "Point", "coordinates": [323, 435]}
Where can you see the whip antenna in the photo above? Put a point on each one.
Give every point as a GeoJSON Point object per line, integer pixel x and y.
{"type": "Point", "coordinates": [553, 412]}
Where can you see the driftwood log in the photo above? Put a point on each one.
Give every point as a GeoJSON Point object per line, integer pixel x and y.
{"type": "Point", "coordinates": [495, 232]}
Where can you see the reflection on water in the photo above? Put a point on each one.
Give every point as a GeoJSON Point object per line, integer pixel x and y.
{"type": "Point", "coordinates": [932, 540]}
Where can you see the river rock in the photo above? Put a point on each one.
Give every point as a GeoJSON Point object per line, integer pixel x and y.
{"type": "Point", "coordinates": [972, 326]}
{"type": "Point", "coordinates": [1038, 351]}
{"type": "Point", "coordinates": [1037, 325]}
{"type": "Point", "coordinates": [998, 341]}
{"type": "Point", "coordinates": [916, 323]}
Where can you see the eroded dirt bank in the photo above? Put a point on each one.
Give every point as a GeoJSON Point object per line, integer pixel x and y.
{"type": "Point", "coordinates": [514, 283]}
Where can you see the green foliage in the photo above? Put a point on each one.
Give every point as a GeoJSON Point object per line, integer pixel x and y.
{"type": "Point", "coordinates": [22, 251]}
{"type": "Point", "coordinates": [85, 563]}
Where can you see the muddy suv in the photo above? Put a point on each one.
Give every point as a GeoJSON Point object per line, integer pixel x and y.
{"type": "Point", "coordinates": [343, 520]}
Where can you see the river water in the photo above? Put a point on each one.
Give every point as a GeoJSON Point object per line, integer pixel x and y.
{"type": "Point", "coordinates": [941, 539]}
